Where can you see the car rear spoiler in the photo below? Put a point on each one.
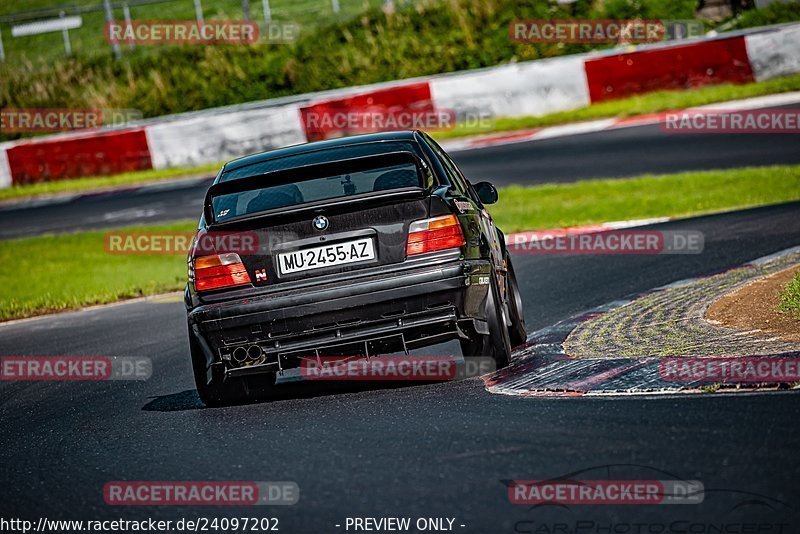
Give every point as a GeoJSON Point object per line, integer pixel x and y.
{"type": "Point", "coordinates": [316, 170]}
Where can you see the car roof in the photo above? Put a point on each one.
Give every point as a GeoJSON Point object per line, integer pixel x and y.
{"type": "Point", "coordinates": [404, 135]}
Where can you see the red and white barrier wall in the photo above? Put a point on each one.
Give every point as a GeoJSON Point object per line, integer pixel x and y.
{"type": "Point", "coordinates": [414, 97]}
{"type": "Point", "coordinates": [522, 89]}
{"type": "Point", "coordinates": [675, 67]}
{"type": "Point", "coordinates": [205, 138]}
{"type": "Point", "coordinates": [774, 53]}
{"type": "Point", "coordinates": [88, 154]}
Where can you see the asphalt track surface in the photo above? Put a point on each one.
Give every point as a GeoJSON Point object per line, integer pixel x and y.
{"type": "Point", "coordinates": [607, 154]}
{"type": "Point", "coordinates": [436, 450]}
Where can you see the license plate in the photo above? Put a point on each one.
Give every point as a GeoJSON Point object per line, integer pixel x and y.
{"type": "Point", "coordinates": [326, 256]}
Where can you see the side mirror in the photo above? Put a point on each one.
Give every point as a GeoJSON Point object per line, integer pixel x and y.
{"type": "Point", "coordinates": [486, 192]}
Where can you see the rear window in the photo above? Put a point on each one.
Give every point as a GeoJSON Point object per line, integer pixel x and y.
{"type": "Point", "coordinates": [287, 194]}
{"type": "Point", "coordinates": [321, 156]}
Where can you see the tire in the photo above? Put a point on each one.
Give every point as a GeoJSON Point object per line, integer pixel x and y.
{"type": "Point", "coordinates": [516, 332]}
{"type": "Point", "coordinates": [497, 344]}
{"type": "Point", "coordinates": [218, 392]}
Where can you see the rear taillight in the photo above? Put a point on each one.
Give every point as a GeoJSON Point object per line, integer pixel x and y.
{"type": "Point", "coordinates": [215, 272]}
{"type": "Point", "coordinates": [439, 233]}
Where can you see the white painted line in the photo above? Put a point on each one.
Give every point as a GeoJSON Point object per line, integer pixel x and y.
{"type": "Point", "coordinates": [577, 128]}
{"type": "Point", "coordinates": [592, 228]}
{"type": "Point", "coordinates": [780, 254]}
{"type": "Point", "coordinates": [632, 223]}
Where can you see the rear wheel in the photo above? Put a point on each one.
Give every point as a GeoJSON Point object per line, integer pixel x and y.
{"type": "Point", "coordinates": [218, 392]}
{"type": "Point", "coordinates": [496, 345]}
{"type": "Point", "coordinates": [516, 331]}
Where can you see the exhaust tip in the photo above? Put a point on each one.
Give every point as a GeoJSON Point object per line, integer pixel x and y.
{"type": "Point", "coordinates": [254, 352]}
{"type": "Point", "coordinates": [239, 354]}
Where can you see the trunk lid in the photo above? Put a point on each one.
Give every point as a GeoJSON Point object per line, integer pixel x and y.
{"type": "Point", "coordinates": [321, 219]}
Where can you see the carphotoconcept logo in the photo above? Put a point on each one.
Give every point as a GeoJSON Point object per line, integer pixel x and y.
{"type": "Point", "coordinates": [577, 494]}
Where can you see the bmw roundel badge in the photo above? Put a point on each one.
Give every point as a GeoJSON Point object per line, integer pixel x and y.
{"type": "Point", "coordinates": [320, 222]}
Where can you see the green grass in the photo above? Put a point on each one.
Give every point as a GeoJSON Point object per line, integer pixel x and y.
{"type": "Point", "coordinates": [675, 195]}
{"type": "Point", "coordinates": [100, 182]}
{"type": "Point", "coordinates": [790, 297]}
{"type": "Point", "coordinates": [52, 273]}
{"type": "Point", "coordinates": [654, 102]}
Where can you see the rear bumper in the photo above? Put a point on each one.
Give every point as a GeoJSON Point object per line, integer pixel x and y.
{"type": "Point", "coordinates": [376, 311]}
